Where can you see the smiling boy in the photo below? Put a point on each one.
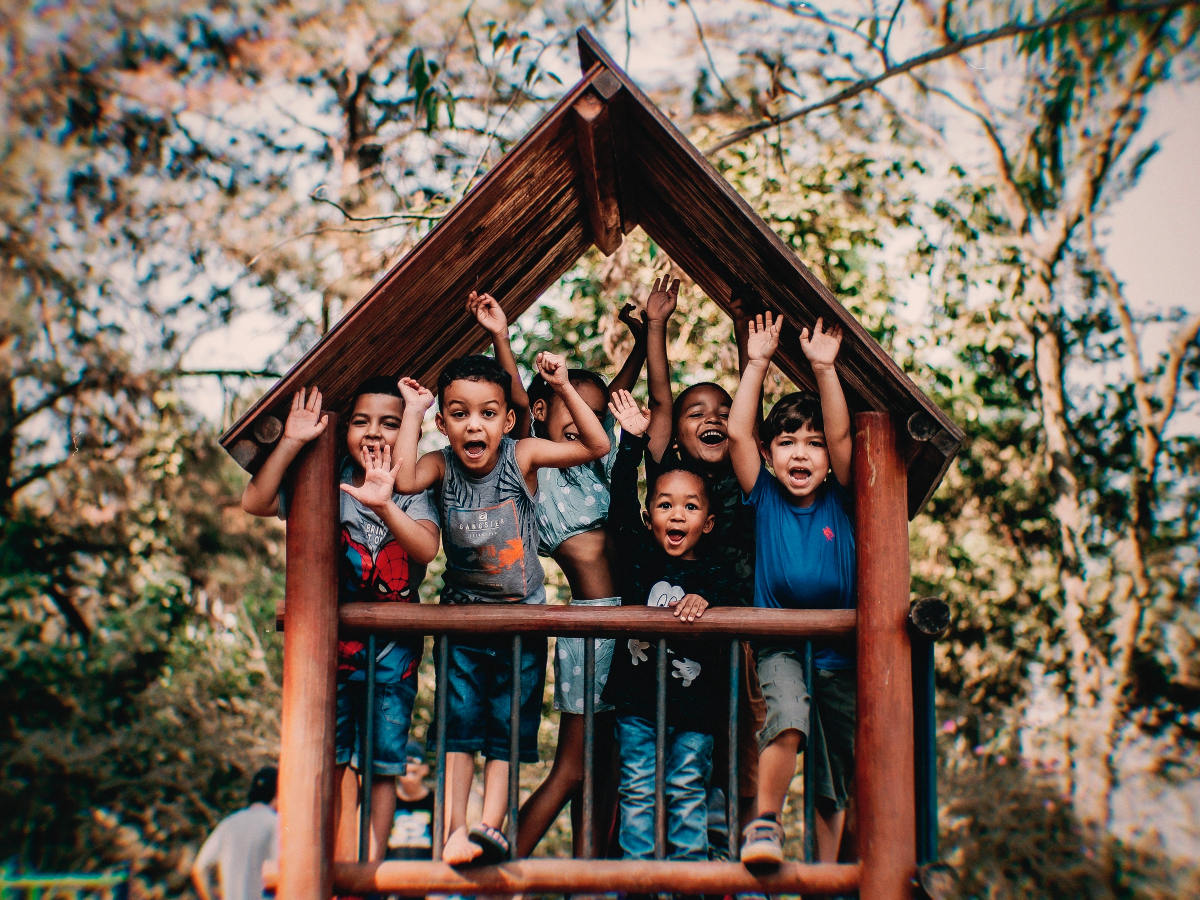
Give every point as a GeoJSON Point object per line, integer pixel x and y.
{"type": "Point", "coordinates": [664, 564]}
{"type": "Point", "coordinates": [486, 484]}
{"type": "Point", "coordinates": [805, 560]}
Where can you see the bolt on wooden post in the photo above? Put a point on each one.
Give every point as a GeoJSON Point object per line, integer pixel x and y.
{"type": "Point", "coordinates": [309, 675]}
{"type": "Point", "coordinates": [883, 748]}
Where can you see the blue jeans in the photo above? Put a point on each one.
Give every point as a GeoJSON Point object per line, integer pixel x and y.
{"type": "Point", "coordinates": [393, 713]}
{"type": "Point", "coordinates": [688, 766]}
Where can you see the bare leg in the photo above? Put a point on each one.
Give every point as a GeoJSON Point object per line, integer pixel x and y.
{"type": "Point", "coordinates": [345, 814]}
{"type": "Point", "coordinates": [495, 792]}
{"type": "Point", "coordinates": [776, 768]}
{"type": "Point", "coordinates": [383, 813]}
{"type": "Point", "coordinates": [561, 785]}
{"type": "Point", "coordinates": [460, 772]}
{"type": "Point", "coordinates": [830, 823]}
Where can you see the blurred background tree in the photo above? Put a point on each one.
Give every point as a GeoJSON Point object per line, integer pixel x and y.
{"type": "Point", "coordinates": [179, 177]}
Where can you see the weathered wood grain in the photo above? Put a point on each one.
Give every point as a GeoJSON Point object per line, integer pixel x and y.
{"type": "Point", "coordinates": [593, 136]}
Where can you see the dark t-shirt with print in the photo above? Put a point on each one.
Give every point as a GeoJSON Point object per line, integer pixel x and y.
{"type": "Point", "coordinates": [649, 576]}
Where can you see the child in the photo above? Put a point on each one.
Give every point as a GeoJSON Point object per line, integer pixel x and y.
{"type": "Point", "coordinates": [805, 560]}
{"type": "Point", "coordinates": [387, 540]}
{"type": "Point", "coordinates": [487, 484]}
{"type": "Point", "coordinates": [664, 566]}
{"type": "Point", "coordinates": [412, 829]}
{"type": "Point", "coordinates": [694, 429]}
{"type": "Point", "coordinates": [572, 506]}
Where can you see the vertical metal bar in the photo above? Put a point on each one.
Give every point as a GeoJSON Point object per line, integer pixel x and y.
{"type": "Point", "coordinates": [439, 794]}
{"type": "Point", "coordinates": [731, 795]}
{"type": "Point", "coordinates": [925, 750]}
{"type": "Point", "coordinates": [589, 739]}
{"type": "Point", "coordinates": [660, 754]}
{"type": "Point", "coordinates": [366, 756]}
{"type": "Point", "coordinates": [810, 770]}
{"type": "Point", "coordinates": [514, 748]}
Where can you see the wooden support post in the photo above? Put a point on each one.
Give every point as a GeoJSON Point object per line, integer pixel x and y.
{"type": "Point", "coordinates": [883, 748]}
{"type": "Point", "coordinates": [309, 671]}
{"type": "Point", "coordinates": [593, 134]}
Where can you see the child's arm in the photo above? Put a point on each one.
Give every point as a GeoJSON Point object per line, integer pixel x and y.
{"type": "Point", "coordinates": [415, 473]}
{"type": "Point", "coordinates": [659, 307]}
{"type": "Point", "coordinates": [304, 422]}
{"type": "Point", "coordinates": [489, 314]}
{"type": "Point", "coordinates": [624, 513]}
{"type": "Point", "coordinates": [740, 313]}
{"type": "Point", "coordinates": [822, 350]}
{"type": "Point", "coordinates": [538, 453]}
{"type": "Point", "coordinates": [743, 415]}
{"type": "Point", "coordinates": [632, 366]}
{"type": "Point", "coordinates": [418, 537]}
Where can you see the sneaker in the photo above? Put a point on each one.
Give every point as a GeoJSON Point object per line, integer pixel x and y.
{"type": "Point", "coordinates": [762, 843]}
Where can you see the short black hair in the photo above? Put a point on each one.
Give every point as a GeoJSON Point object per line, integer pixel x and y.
{"type": "Point", "coordinates": [540, 389]}
{"type": "Point", "coordinates": [265, 783]}
{"type": "Point", "coordinates": [376, 384]}
{"type": "Point", "coordinates": [677, 406]}
{"type": "Point", "coordinates": [675, 464]}
{"type": "Point", "coordinates": [476, 367]}
{"type": "Point", "coordinates": [791, 413]}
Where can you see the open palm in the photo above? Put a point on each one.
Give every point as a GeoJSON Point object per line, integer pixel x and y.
{"type": "Point", "coordinates": [664, 296]}
{"type": "Point", "coordinates": [822, 348]}
{"type": "Point", "coordinates": [304, 421]}
{"type": "Point", "coordinates": [764, 337]}
{"type": "Point", "coordinates": [633, 420]}
{"type": "Point", "coordinates": [380, 479]}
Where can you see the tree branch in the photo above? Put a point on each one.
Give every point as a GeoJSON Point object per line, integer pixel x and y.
{"type": "Point", "coordinates": [708, 53]}
{"type": "Point", "coordinates": [952, 48]}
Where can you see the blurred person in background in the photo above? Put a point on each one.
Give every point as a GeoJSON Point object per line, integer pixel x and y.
{"type": "Point", "coordinates": [240, 844]}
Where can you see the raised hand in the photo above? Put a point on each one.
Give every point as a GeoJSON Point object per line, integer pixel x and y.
{"type": "Point", "coordinates": [662, 300]}
{"type": "Point", "coordinates": [413, 394]}
{"type": "Point", "coordinates": [304, 421]}
{"type": "Point", "coordinates": [488, 313]}
{"type": "Point", "coordinates": [764, 338]}
{"type": "Point", "coordinates": [377, 487]}
{"type": "Point", "coordinates": [822, 348]}
{"type": "Point", "coordinates": [634, 322]}
{"type": "Point", "coordinates": [690, 608]}
{"type": "Point", "coordinates": [632, 418]}
{"type": "Point", "coordinates": [553, 368]}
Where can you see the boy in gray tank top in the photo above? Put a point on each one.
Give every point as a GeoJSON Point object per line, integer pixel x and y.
{"type": "Point", "coordinates": [485, 484]}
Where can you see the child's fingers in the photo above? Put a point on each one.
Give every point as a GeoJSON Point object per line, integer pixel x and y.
{"type": "Point", "coordinates": [321, 425]}
{"type": "Point", "coordinates": [778, 324]}
{"type": "Point", "coordinates": [315, 400]}
{"type": "Point", "coordinates": [297, 403]}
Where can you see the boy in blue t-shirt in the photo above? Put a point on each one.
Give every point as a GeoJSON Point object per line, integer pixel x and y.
{"type": "Point", "coordinates": [804, 559]}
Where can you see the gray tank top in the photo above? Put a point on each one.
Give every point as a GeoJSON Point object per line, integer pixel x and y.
{"type": "Point", "coordinates": [490, 534]}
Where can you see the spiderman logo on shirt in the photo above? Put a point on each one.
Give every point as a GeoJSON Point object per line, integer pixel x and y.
{"type": "Point", "coordinates": [382, 577]}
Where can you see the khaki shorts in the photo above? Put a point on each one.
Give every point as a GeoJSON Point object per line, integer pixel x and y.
{"type": "Point", "coordinates": [831, 741]}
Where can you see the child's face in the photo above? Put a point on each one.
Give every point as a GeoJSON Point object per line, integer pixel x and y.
{"type": "Point", "coordinates": [475, 417]}
{"type": "Point", "coordinates": [374, 421]}
{"type": "Point", "coordinates": [679, 513]}
{"type": "Point", "coordinates": [556, 418]}
{"type": "Point", "coordinates": [414, 775]}
{"type": "Point", "coordinates": [800, 461]}
{"type": "Point", "coordinates": [702, 428]}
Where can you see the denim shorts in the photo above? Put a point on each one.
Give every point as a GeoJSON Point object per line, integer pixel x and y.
{"type": "Point", "coordinates": [479, 698]}
{"type": "Point", "coordinates": [568, 666]}
{"type": "Point", "coordinates": [393, 713]}
{"type": "Point", "coordinates": [831, 742]}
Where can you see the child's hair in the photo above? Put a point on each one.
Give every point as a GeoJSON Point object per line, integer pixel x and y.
{"type": "Point", "coordinates": [376, 384]}
{"type": "Point", "coordinates": [476, 367]}
{"type": "Point", "coordinates": [675, 464]}
{"type": "Point", "coordinates": [540, 389]}
{"type": "Point", "coordinates": [791, 413]}
{"type": "Point", "coordinates": [677, 406]}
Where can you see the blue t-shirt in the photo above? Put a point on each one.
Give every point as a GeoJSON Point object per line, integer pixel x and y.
{"type": "Point", "coordinates": [804, 556]}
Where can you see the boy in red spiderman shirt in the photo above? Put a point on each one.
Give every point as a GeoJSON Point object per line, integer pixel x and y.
{"type": "Point", "coordinates": [387, 540]}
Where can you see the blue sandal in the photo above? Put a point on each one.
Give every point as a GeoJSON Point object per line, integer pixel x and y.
{"type": "Point", "coordinates": [493, 842]}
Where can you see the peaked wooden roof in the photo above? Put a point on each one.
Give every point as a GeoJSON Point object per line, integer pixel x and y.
{"type": "Point", "coordinates": [602, 162]}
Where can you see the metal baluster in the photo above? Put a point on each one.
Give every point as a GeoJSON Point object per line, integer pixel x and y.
{"type": "Point", "coordinates": [366, 757]}
{"type": "Point", "coordinates": [660, 755]}
{"type": "Point", "coordinates": [731, 796]}
{"type": "Point", "coordinates": [589, 737]}
{"type": "Point", "coordinates": [925, 734]}
{"type": "Point", "coordinates": [439, 796]}
{"type": "Point", "coordinates": [514, 747]}
{"type": "Point", "coordinates": [810, 770]}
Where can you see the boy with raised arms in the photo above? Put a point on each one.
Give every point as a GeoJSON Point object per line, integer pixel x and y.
{"type": "Point", "coordinates": [486, 484]}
